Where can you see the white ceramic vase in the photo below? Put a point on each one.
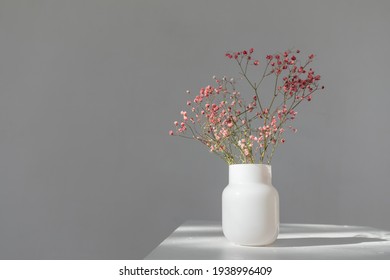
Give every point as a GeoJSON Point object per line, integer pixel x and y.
{"type": "Point", "coordinates": [250, 206]}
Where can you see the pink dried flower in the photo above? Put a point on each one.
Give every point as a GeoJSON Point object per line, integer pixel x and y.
{"type": "Point", "coordinates": [247, 132]}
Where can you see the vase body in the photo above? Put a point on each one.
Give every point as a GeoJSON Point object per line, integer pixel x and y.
{"type": "Point", "coordinates": [250, 206]}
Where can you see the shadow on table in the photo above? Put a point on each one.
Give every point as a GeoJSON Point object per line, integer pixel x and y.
{"type": "Point", "coordinates": [322, 241]}
{"type": "Point", "coordinates": [188, 234]}
{"type": "Point", "coordinates": [210, 234]}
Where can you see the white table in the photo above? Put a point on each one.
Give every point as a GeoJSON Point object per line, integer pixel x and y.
{"type": "Point", "coordinates": [205, 240]}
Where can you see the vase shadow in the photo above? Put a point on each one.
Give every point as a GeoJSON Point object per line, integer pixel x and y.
{"type": "Point", "coordinates": [322, 241]}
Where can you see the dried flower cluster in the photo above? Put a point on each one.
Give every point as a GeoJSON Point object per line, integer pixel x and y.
{"type": "Point", "coordinates": [249, 132]}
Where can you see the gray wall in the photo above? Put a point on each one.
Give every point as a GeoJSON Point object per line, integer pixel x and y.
{"type": "Point", "coordinates": [89, 89]}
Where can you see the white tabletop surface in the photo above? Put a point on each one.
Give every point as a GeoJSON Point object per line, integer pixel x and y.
{"type": "Point", "coordinates": [205, 240]}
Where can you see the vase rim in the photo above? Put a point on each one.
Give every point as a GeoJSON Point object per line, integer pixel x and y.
{"type": "Point", "coordinates": [250, 164]}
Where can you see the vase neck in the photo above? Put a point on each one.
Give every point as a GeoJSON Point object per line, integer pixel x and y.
{"type": "Point", "coordinates": [250, 173]}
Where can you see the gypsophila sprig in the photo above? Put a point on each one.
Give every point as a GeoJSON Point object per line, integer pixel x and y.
{"type": "Point", "coordinates": [240, 131]}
